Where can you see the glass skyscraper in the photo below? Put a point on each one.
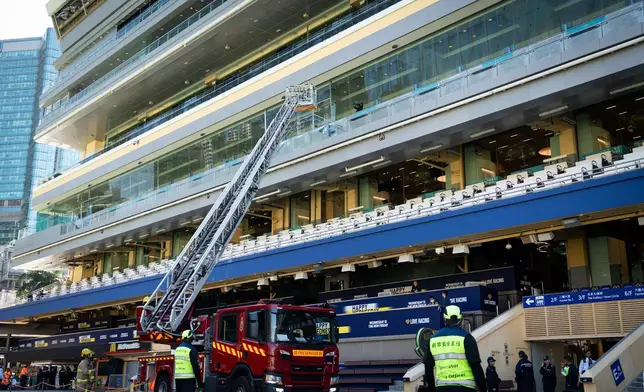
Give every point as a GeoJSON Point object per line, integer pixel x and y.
{"type": "Point", "coordinates": [26, 70]}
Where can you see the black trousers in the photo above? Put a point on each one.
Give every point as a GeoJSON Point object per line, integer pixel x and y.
{"type": "Point", "coordinates": [186, 385]}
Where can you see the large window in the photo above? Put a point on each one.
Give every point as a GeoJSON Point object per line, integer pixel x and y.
{"type": "Point", "coordinates": [256, 325]}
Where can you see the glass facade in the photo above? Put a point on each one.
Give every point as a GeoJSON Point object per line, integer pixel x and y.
{"type": "Point", "coordinates": [488, 35]}
{"type": "Point", "coordinates": [24, 72]}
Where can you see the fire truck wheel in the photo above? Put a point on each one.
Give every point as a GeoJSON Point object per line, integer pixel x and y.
{"type": "Point", "coordinates": [162, 384]}
{"type": "Point", "coordinates": [241, 385]}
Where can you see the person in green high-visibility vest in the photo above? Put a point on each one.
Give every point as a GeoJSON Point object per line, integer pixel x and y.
{"type": "Point", "coordinates": [186, 365]}
{"type": "Point", "coordinates": [455, 356]}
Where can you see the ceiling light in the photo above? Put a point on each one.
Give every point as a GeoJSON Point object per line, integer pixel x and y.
{"type": "Point", "coordinates": [301, 276]}
{"type": "Point", "coordinates": [441, 178]}
{"type": "Point", "coordinates": [317, 183]}
{"type": "Point", "coordinates": [611, 107]}
{"type": "Point", "coordinates": [184, 223]}
{"type": "Point", "coordinates": [460, 249]}
{"type": "Point", "coordinates": [515, 135]}
{"type": "Point", "coordinates": [285, 193]}
{"type": "Point", "coordinates": [130, 239]}
{"type": "Point", "coordinates": [161, 230]}
{"type": "Point", "coordinates": [488, 171]}
{"type": "Point", "coordinates": [110, 245]}
{"type": "Point", "coordinates": [543, 237]}
{"type": "Point", "coordinates": [619, 129]}
{"type": "Point", "coordinates": [348, 169]}
{"type": "Point", "coordinates": [197, 219]}
{"type": "Point", "coordinates": [93, 250]}
{"type": "Point", "coordinates": [639, 99]}
{"type": "Point", "coordinates": [379, 198]}
{"type": "Point", "coordinates": [348, 268]}
{"type": "Point", "coordinates": [545, 152]}
{"type": "Point", "coordinates": [381, 164]}
{"type": "Point", "coordinates": [349, 173]}
{"type": "Point", "coordinates": [622, 113]}
{"type": "Point", "coordinates": [481, 133]}
{"type": "Point", "coordinates": [492, 142]}
{"type": "Point", "coordinates": [275, 192]}
{"type": "Point", "coordinates": [632, 86]}
{"type": "Point", "coordinates": [227, 47]}
{"type": "Point", "coordinates": [602, 142]}
{"type": "Point", "coordinates": [553, 111]}
{"type": "Point", "coordinates": [527, 140]}
{"type": "Point", "coordinates": [406, 258]}
{"type": "Point", "coordinates": [143, 235]}
{"type": "Point", "coordinates": [432, 148]}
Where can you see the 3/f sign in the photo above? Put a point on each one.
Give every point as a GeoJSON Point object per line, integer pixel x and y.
{"type": "Point", "coordinates": [618, 373]}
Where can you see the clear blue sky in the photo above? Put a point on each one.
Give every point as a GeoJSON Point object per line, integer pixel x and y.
{"type": "Point", "coordinates": [23, 18]}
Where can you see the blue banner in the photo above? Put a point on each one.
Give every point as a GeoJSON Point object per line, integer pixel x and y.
{"type": "Point", "coordinates": [80, 338]}
{"type": "Point", "coordinates": [583, 297]}
{"type": "Point", "coordinates": [469, 299]}
{"type": "Point", "coordinates": [502, 279]}
{"type": "Point", "coordinates": [389, 323]}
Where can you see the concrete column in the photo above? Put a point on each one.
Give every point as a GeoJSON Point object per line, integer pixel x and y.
{"type": "Point", "coordinates": [577, 258]}
{"type": "Point", "coordinates": [608, 264]}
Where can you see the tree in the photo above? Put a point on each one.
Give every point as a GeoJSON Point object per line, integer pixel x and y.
{"type": "Point", "coordinates": [33, 280]}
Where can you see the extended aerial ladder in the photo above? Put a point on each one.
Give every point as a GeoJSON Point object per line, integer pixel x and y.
{"type": "Point", "coordinates": [170, 302]}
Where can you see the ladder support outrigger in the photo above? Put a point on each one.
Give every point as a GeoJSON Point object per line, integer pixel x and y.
{"type": "Point", "coordinates": [169, 304]}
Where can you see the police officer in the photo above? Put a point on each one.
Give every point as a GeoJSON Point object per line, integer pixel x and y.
{"type": "Point", "coordinates": [524, 373]}
{"type": "Point", "coordinates": [491, 376]}
{"type": "Point", "coordinates": [570, 372]}
{"type": "Point", "coordinates": [455, 355]}
{"type": "Point", "coordinates": [186, 365]}
{"type": "Point", "coordinates": [85, 372]}
{"type": "Point", "coordinates": [548, 375]}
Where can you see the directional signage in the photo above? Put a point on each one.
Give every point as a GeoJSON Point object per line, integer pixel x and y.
{"type": "Point", "coordinates": [583, 297]}
{"type": "Point", "coordinates": [618, 373]}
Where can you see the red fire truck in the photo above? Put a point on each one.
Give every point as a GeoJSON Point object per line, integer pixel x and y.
{"type": "Point", "coordinates": [266, 346]}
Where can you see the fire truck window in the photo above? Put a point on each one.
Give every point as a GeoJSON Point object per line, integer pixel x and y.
{"type": "Point", "coordinates": [228, 328]}
{"type": "Point", "coordinates": [256, 328]}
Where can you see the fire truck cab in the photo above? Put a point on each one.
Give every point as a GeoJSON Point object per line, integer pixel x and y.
{"type": "Point", "coordinates": [268, 347]}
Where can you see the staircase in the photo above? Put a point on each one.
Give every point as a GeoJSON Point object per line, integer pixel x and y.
{"type": "Point", "coordinates": [637, 385]}
{"type": "Point", "coordinates": [373, 376]}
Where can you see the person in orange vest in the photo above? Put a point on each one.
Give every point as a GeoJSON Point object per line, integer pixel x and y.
{"type": "Point", "coordinates": [6, 381]}
{"type": "Point", "coordinates": [24, 376]}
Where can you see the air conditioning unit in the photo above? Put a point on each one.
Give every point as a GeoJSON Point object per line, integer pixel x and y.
{"type": "Point", "coordinates": [301, 276]}
{"type": "Point", "coordinates": [348, 268]}
{"type": "Point", "coordinates": [374, 264]}
{"type": "Point", "coordinates": [262, 282]}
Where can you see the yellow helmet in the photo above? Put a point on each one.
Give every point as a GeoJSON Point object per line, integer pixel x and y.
{"type": "Point", "coordinates": [453, 311]}
{"type": "Point", "coordinates": [146, 299]}
{"type": "Point", "coordinates": [86, 352]}
{"type": "Point", "coordinates": [187, 334]}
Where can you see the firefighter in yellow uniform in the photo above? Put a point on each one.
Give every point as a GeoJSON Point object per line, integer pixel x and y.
{"type": "Point", "coordinates": [455, 355]}
{"type": "Point", "coordinates": [85, 374]}
{"type": "Point", "coordinates": [186, 365]}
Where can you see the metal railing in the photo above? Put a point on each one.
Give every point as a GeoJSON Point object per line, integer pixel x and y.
{"type": "Point", "coordinates": [99, 49]}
